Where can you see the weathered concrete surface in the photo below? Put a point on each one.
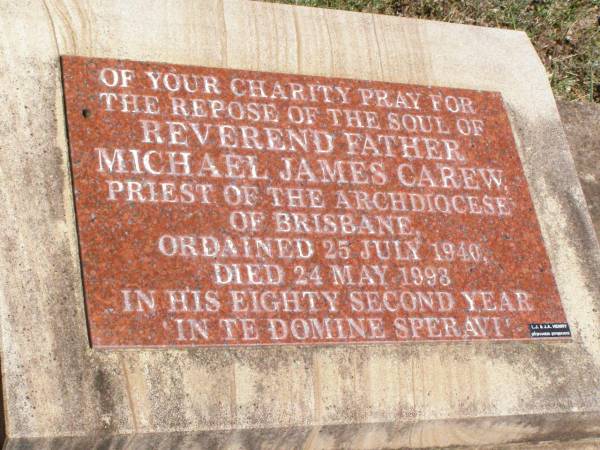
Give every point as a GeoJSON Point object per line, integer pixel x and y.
{"type": "Point", "coordinates": [62, 393]}
{"type": "Point", "coordinates": [438, 433]}
{"type": "Point", "coordinates": [582, 125]}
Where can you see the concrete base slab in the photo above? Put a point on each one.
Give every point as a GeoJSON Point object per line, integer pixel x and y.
{"type": "Point", "coordinates": [61, 393]}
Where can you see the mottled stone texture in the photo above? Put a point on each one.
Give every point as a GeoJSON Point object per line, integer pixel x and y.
{"type": "Point", "coordinates": [130, 229]}
{"type": "Point", "coordinates": [582, 125]}
{"type": "Point", "coordinates": [59, 393]}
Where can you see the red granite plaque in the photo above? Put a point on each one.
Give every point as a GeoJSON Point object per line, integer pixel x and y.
{"type": "Point", "coordinates": [227, 207]}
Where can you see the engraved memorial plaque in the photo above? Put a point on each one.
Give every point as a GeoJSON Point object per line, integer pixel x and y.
{"type": "Point", "coordinates": [228, 207]}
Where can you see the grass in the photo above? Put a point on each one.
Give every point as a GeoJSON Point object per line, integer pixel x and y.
{"type": "Point", "coordinates": [565, 33]}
